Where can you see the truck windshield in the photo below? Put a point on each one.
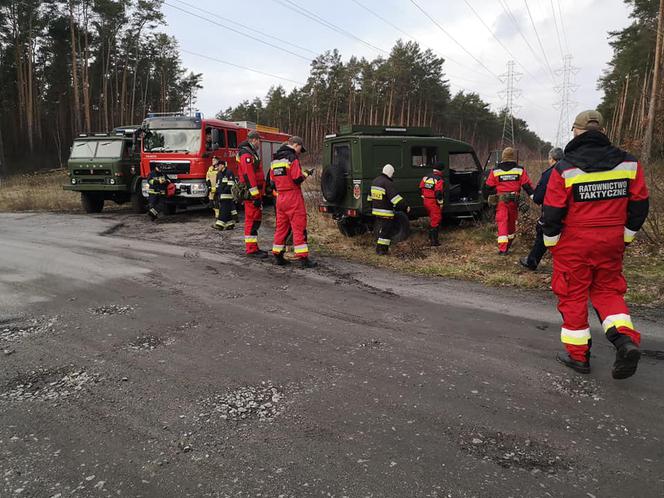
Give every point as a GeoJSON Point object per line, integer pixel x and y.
{"type": "Point", "coordinates": [172, 141]}
{"type": "Point", "coordinates": [110, 149]}
{"type": "Point", "coordinates": [83, 149]}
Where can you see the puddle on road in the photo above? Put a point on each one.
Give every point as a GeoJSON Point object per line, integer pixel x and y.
{"type": "Point", "coordinates": [47, 384]}
{"type": "Point", "coordinates": [513, 452]}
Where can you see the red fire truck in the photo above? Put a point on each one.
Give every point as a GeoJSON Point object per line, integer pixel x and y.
{"type": "Point", "coordinates": [183, 147]}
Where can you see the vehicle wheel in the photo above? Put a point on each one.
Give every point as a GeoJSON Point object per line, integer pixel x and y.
{"type": "Point", "coordinates": [92, 202]}
{"type": "Point", "coordinates": [170, 208]}
{"type": "Point", "coordinates": [403, 227]}
{"type": "Point", "coordinates": [351, 228]}
{"type": "Point", "coordinates": [138, 203]}
{"type": "Point", "coordinates": [333, 184]}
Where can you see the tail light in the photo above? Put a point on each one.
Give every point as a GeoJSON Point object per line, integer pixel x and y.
{"type": "Point", "coordinates": [351, 212]}
{"type": "Point", "coordinates": [323, 209]}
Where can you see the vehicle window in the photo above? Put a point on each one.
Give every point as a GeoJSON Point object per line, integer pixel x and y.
{"type": "Point", "coordinates": [232, 139]}
{"type": "Point", "coordinates": [222, 139]}
{"type": "Point", "coordinates": [83, 149]}
{"type": "Point", "coordinates": [110, 149]}
{"type": "Point", "coordinates": [341, 157]}
{"type": "Point", "coordinates": [423, 156]}
{"type": "Point", "coordinates": [172, 141]}
{"type": "Point", "coordinates": [463, 161]}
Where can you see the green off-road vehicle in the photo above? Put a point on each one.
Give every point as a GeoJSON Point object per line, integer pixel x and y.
{"type": "Point", "coordinates": [356, 155]}
{"type": "Point", "coordinates": [106, 167]}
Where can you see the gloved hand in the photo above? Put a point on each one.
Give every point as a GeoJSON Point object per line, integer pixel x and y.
{"type": "Point", "coordinates": [308, 172]}
{"type": "Point", "coordinates": [257, 203]}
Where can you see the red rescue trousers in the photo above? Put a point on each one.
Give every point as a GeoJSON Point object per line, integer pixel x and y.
{"type": "Point", "coordinates": [434, 211]}
{"type": "Point", "coordinates": [252, 222]}
{"type": "Point", "coordinates": [507, 213]}
{"type": "Point", "coordinates": [291, 215]}
{"type": "Point", "coordinates": [588, 263]}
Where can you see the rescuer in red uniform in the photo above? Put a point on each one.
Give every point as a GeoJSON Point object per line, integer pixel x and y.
{"type": "Point", "coordinates": [508, 178]}
{"type": "Point", "coordinates": [251, 174]}
{"type": "Point", "coordinates": [431, 188]}
{"type": "Point", "coordinates": [595, 202]}
{"type": "Point", "coordinates": [287, 177]}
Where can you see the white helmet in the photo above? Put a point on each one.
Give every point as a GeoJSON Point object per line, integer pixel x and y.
{"type": "Point", "coordinates": [388, 170]}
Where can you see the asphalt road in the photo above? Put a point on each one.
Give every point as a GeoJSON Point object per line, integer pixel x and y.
{"type": "Point", "coordinates": [156, 361]}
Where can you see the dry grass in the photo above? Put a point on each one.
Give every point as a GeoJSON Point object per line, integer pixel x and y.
{"type": "Point", "coordinates": [38, 192]}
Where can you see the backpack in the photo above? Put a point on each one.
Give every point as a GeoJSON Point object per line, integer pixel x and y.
{"type": "Point", "coordinates": [240, 192]}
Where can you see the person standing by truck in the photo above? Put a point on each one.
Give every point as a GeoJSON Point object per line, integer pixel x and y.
{"type": "Point", "coordinates": [287, 176]}
{"type": "Point", "coordinates": [158, 185]}
{"type": "Point", "coordinates": [211, 181]}
{"type": "Point", "coordinates": [431, 187]}
{"type": "Point", "coordinates": [508, 178]}
{"type": "Point", "coordinates": [224, 198]}
{"type": "Point", "coordinates": [251, 174]}
{"type": "Point", "coordinates": [385, 200]}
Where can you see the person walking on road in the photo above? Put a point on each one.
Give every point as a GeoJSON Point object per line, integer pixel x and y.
{"type": "Point", "coordinates": [250, 173]}
{"type": "Point", "coordinates": [224, 198]}
{"type": "Point", "coordinates": [431, 188]}
{"type": "Point", "coordinates": [536, 254]}
{"type": "Point", "coordinates": [595, 203]}
{"type": "Point", "coordinates": [287, 176]}
{"type": "Point", "coordinates": [385, 201]}
{"type": "Point", "coordinates": [508, 178]}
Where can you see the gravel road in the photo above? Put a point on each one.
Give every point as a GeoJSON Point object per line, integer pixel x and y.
{"type": "Point", "coordinates": [157, 361]}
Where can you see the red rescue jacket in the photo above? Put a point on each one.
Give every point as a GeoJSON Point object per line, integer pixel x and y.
{"type": "Point", "coordinates": [431, 187]}
{"type": "Point", "coordinates": [249, 169]}
{"type": "Point", "coordinates": [594, 185]}
{"type": "Point", "coordinates": [509, 177]}
{"type": "Point", "coordinates": [285, 171]}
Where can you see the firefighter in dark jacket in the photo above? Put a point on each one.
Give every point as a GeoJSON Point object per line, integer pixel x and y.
{"type": "Point", "coordinates": [539, 249]}
{"type": "Point", "coordinates": [385, 201]}
{"type": "Point", "coordinates": [157, 190]}
{"type": "Point", "coordinates": [287, 176]}
{"type": "Point", "coordinates": [508, 178]}
{"type": "Point", "coordinates": [595, 202]}
{"type": "Point", "coordinates": [224, 198]}
{"type": "Point", "coordinates": [431, 188]}
{"type": "Point", "coordinates": [250, 173]}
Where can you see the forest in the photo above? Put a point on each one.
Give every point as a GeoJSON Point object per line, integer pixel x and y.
{"type": "Point", "coordinates": [76, 66]}
{"type": "Point", "coordinates": [408, 88]}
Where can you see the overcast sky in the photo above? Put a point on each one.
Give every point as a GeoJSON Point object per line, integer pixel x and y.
{"type": "Point", "coordinates": [582, 31]}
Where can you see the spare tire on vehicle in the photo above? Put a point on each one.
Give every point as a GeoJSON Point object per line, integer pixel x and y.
{"type": "Point", "coordinates": [351, 227]}
{"type": "Point", "coordinates": [333, 184]}
{"type": "Point", "coordinates": [402, 229]}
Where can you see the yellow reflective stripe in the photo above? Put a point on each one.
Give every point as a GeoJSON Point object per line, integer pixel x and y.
{"type": "Point", "coordinates": [280, 164]}
{"type": "Point", "coordinates": [513, 171]}
{"type": "Point", "coordinates": [551, 241]}
{"type": "Point", "coordinates": [618, 320]}
{"type": "Point", "coordinates": [628, 235]}
{"type": "Point", "coordinates": [253, 191]}
{"type": "Point", "coordinates": [574, 177]}
{"type": "Point", "coordinates": [575, 337]}
{"type": "Point", "coordinates": [503, 238]}
{"type": "Point", "coordinates": [386, 213]}
{"type": "Point", "coordinates": [301, 249]}
{"type": "Point", "coordinates": [377, 193]}
{"type": "Point", "coordinates": [226, 196]}
{"type": "Point", "coordinates": [396, 199]}
{"type": "Point", "coordinates": [384, 242]}
{"type": "Point", "coordinates": [278, 247]}
{"type": "Point", "coordinates": [248, 239]}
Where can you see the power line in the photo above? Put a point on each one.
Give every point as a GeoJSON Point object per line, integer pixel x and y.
{"type": "Point", "coordinates": [289, 4]}
{"type": "Point", "coordinates": [562, 25]}
{"type": "Point", "coordinates": [538, 38]}
{"type": "Point", "coordinates": [281, 40]}
{"type": "Point", "coordinates": [555, 23]}
{"type": "Point", "coordinates": [454, 39]}
{"type": "Point", "coordinates": [511, 16]}
{"type": "Point", "coordinates": [237, 31]}
{"type": "Point", "coordinates": [497, 39]}
{"type": "Point", "coordinates": [240, 66]}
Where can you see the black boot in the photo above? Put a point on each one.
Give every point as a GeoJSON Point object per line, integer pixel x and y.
{"type": "Point", "coordinates": [433, 236]}
{"type": "Point", "coordinates": [627, 359]}
{"type": "Point", "coordinates": [260, 254]}
{"type": "Point", "coordinates": [381, 249]}
{"type": "Point", "coordinates": [307, 263]}
{"type": "Point", "coordinates": [280, 260]}
{"type": "Point", "coordinates": [578, 366]}
{"type": "Point", "coordinates": [525, 262]}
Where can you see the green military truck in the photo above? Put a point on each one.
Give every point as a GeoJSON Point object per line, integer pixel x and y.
{"type": "Point", "coordinates": [106, 167]}
{"type": "Point", "coordinates": [356, 155]}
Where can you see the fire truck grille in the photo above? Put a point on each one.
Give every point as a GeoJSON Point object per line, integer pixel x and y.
{"type": "Point", "coordinates": [173, 168]}
{"type": "Point", "coordinates": [92, 172]}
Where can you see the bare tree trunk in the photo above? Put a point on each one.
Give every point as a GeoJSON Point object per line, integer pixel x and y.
{"type": "Point", "coordinates": [621, 110]}
{"type": "Point", "coordinates": [647, 139]}
{"type": "Point", "coordinates": [74, 70]}
{"type": "Point", "coordinates": [86, 71]}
